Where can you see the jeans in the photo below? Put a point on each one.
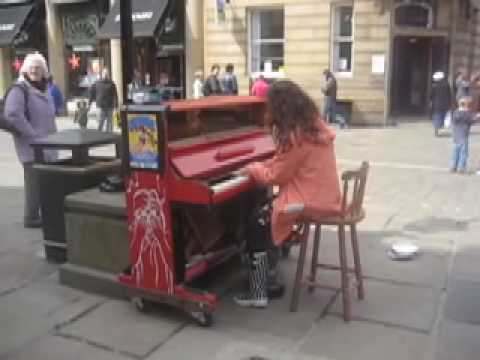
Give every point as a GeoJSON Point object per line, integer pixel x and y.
{"type": "Point", "coordinates": [105, 114]}
{"type": "Point", "coordinates": [329, 110]}
{"type": "Point", "coordinates": [32, 194]}
{"type": "Point", "coordinates": [460, 156]}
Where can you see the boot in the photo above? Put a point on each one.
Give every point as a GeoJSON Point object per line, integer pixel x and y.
{"type": "Point", "coordinates": [275, 285]}
{"type": "Point", "coordinates": [256, 296]}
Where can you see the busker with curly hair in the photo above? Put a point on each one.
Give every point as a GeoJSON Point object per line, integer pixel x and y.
{"type": "Point", "coordinates": [303, 167]}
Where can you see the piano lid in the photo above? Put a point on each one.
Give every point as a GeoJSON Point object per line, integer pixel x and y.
{"type": "Point", "coordinates": [214, 102]}
{"type": "Point", "coordinates": [216, 158]}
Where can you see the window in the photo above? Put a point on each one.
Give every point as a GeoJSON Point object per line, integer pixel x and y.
{"type": "Point", "coordinates": [416, 13]}
{"type": "Point", "coordinates": [342, 39]}
{"type": "Point", "coordinates": [267, 37]}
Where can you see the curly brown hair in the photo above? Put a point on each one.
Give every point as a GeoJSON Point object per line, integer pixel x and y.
{"type": "Point", "coordinates": [292, 114]}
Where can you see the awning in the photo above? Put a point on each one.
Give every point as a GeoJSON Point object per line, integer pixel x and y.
{"type": "Point", "coordinates": [11, 21]}
{"type": "Point", "coordinates": [146, 15]}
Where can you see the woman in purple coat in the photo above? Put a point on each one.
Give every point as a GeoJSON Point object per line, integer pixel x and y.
{"type": "Point", "coordinates": [31, 111]}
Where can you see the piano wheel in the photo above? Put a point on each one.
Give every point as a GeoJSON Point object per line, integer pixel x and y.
{"type": "Point", "coordinates": [142, 305]}
{"type": "Point", "coordinates": [204, 319]}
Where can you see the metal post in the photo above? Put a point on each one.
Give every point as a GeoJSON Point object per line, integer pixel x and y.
{"type": "Point", "coordinates": [126, 31]}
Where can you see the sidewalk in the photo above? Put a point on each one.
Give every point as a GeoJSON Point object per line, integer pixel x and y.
{"type": "Point", "coordinates": [425, 309]}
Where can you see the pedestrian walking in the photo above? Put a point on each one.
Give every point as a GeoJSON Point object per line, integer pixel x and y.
{"type": "Point", "coordinates": [441, 100]}
{"type": "Point", "coordinates": [462, 84]}
{"type": "Point", "coordinates": [475, 91]}
{"type": "Point", "coordinates": [462, 121]}
{"type": "Point", "coordinates": [212, 84]}
{"type": "Point", "coordinates": [104, 93]}
{"type": "Point", "coordinates": [81, 114]}
{"type": "Point", "coordinates": [304, 159]}
{"type": "Point", "coordinates": [30, 110]}
{"type": "Point", "coordinates": [198, 85]}
{"type": "Point", "coordinates": [329, 90]}
{"type": "Point", "coordinates": [260, 87]}
{"type": "Point", "coordinates": [229, 81]}
{"type": "Point", "coordinates": [57, 96]}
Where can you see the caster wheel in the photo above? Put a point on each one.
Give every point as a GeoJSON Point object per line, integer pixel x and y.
{"type": "Point", "coordinates": [202, 318]}
{"type": "Point", "coordinates": [142, 305]}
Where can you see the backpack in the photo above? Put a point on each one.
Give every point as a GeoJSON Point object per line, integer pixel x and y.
{"type": "Point", "coordinates": [4, 124]}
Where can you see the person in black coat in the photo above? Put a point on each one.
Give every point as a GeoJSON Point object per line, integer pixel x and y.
{"type": "Point", "coordinates": [441, 100]}
{"type": "Point", "coordinates": [212, 85]}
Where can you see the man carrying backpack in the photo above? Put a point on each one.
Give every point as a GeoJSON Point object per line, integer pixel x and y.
{"type": "Point", "coordinates": [29, 113]}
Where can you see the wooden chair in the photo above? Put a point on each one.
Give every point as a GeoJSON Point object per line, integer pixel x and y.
{"type": "Point", "coordinates": [351, 214]}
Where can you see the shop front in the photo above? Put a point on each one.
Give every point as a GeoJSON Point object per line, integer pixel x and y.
{"type": "Point", "coordinates": [84, 57]}
{"type": "Point", "coordinates": [158, 30]}
{"type": "Point", "coordinates": [22, 31]}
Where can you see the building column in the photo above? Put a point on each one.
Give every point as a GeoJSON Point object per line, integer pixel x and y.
{"type": "Point", "coordinates": [56, 46]}
{"type": "Point", "coordinates": [193, 41]}
{"type": "Point", "coordinates": [5, 70]}
{"type": "Point", "coordinates": [116, 70]}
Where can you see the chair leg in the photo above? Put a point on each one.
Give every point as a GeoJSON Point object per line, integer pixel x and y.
{"type": "Point", "coordinates": [301, 263]}
{"type": "Point", "coordinates": [356, 260]}
{"type": "Point", "coordinates": [344, 273]}
{"type": "Point", "coordinates": [313, 265]}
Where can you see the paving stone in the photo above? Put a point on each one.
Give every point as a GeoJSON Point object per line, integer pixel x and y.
{"type": "Point", "coordinates": [215, 343]}
{"type": "Point", "coordinates": [466, 263]}
{"type": "Point", "coordinates": [36, 309]}
{"type": "Point", "coordinates": [406, 306]}
{"type": "Point", "coordinates": [118, 325]}
{"type": "Point", "coordinates": [27, 269]}
{"type": "Point", "coordinates": [360, 340]}
{"type": "Point", "coordinates": [57, 348]}
{"type": "Point", "coordinates": [463, 301]}
{"type": "Point", "coordinates": [429, 268]}
{"type": "Point", "coordinates": [286, 324]}
{"type": "Point", "coordinates": [458, 341]}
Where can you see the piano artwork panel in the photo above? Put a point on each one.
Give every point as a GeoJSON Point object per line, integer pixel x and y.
{"type": "Point", "coordinates": [187, 206]}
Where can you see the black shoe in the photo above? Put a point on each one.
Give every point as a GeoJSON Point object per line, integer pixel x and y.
{"type": "Point", "coordinates": [33, 224]}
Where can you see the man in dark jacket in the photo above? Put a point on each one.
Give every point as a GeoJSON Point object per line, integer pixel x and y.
{"type": "Point", "coordinates": [212, 84]}
{"type": "Point", "coordinates": [229, 81]}
{"type": "Point", "coordinates": [104, 93]}
{"type": "Point", "coordinates": [441, 100]}
{"type": "Point", "coordinates": [329, 90]}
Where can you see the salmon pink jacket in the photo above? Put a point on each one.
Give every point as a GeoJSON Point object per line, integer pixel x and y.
{"type": "Point", "coordinates": [306, 173]}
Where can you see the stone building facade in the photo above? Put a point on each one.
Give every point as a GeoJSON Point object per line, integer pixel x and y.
{"type": "Point", "coordinates": [383, 52]}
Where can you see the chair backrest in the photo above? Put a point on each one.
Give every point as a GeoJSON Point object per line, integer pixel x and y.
{"type": "Point", "coordinates": [352, 203]}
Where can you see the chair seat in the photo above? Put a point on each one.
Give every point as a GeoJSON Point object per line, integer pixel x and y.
{"type": "Point", "coordinates": [320, 217]}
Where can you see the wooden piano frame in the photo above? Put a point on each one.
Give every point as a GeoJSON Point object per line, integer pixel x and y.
{"type": "Point", "coordinates": [180, 176]}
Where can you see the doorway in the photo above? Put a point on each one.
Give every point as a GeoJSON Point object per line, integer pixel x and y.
{"type": "Point", "coordinates": [415, 59]}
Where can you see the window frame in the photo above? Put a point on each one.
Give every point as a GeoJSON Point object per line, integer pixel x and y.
{"type": "Point", "coordinates": [251, 11]}
{"type": "Point", "coordinates": [336, 40]}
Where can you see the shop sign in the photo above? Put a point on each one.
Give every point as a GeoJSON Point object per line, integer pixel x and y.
{"type": "Point", "coordinates": [8, 2]}
{"type": "Point", "coordinates": [80, 29]}
{"type": "Point", "coordinates": [138, 16]}
{"type": "Point", "coordinates": [7, 27]}
{"type": "Point", "coordinates": [83, 48]}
